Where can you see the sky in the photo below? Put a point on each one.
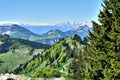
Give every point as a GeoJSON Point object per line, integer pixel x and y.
{"type": "Point", "coordinates": [49, 11]}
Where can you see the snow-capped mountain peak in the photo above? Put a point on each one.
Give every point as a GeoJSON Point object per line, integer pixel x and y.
{"type": "Point", "coordinates": [75, 24]}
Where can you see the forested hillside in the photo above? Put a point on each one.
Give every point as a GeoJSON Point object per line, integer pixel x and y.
{"type": "Point", "coordinates": [101, 59]}
{"type": "Point", "coordinates": [57, 58]}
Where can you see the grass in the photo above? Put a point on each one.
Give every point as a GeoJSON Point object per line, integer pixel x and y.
{"type": "Point", "coordinates": [12, 59]}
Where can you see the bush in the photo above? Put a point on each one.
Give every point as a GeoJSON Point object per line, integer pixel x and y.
{"type": "Point", "coordinates": [48, 73]}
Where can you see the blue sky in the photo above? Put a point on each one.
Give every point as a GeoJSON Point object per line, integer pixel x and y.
{"type": "Point", "coordinates": [49, 11]}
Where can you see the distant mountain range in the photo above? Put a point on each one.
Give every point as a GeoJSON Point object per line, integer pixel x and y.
{"type": "Point", "coordinates": [45, 27]}
{"type": "Point", "coordinates": [40, 29]}
{"type": "Point", "coordinates": [51, 34]}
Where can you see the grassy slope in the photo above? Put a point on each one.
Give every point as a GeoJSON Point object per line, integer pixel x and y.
{"type": "Point", "coordinates": [14, 52]}
{"type": "Point", "coordinates": [12, 59]}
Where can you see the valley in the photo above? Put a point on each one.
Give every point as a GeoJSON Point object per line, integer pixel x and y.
{"type": "Point", "coordinates": [29, 53]}
{"type": "Point", "coordinates": [14, 52]}
{"type": "Point", "coordinates": [57, 59]}
{"type": "Point", "coordinates": [59, 40]}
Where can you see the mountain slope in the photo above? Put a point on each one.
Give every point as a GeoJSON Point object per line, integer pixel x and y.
{"type": "Point", "coordinates": [82, 31]}
{"type": "Point", "coordinates": [14, 52]}
{"type": "Point", "coordinates": [55, 57]}
{"type": "Point", "coordinates": [7, 43]}
{"type": "Point", "coordinates": [16, 31]}
{"type": "Point", "coordinates": [52, 34]}
{"type": "Point", "coordinates": [51, 37]}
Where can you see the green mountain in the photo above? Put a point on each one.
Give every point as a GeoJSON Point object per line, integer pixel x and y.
{"type": "Point", "coordinates": [51, 37]}
{"type": "Point", "coordinates": [55, 59]}
{"type": "Point", "coordinates": [14, 52]}
{"type": "Point", "coordinates": [52, 34]}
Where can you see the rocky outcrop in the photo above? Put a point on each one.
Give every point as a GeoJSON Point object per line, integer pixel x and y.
{"type": "Point", "coordinates": [13, 76]}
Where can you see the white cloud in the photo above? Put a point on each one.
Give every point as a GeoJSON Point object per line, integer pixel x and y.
{"type": "Point", "coordinates": [8, 22]}
{"type": "Point", "coordinates": [39, 24]}
{"type": "Point", "coordinates": [3, 23]}
{"type": "Point", "coordinates": [46, 24]}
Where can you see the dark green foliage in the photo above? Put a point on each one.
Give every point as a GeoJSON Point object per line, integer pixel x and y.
{"type": "Point", "coordinates": [30, 52]}
{"type": "Point", "coordinates": [101, 59]}
{"type": "Point", "coordinates": [47, 73]}
{"type": "Point", "coordinates": [85, 40]}
{"type": "Point", "coordinates": [76, 68]}
{"type": "Point", "coordinates": [1, 61]}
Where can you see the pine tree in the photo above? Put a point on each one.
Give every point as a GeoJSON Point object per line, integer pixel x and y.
{"type": "Point", "coordinates": [101, 59]}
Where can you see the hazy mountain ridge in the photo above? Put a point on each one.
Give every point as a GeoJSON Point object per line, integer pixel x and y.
{"type": "Point", "coordinates": [65, 26]}
{"type": "Point", "coordinates": [16, 31]}
{"type": "Point", "coordinates": [41, 28]}
{"type": "Point", "coordinates": [56, 32]}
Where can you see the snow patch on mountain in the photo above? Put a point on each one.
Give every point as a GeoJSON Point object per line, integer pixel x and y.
{"type": "Point", "coordinates": [75, 24]}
